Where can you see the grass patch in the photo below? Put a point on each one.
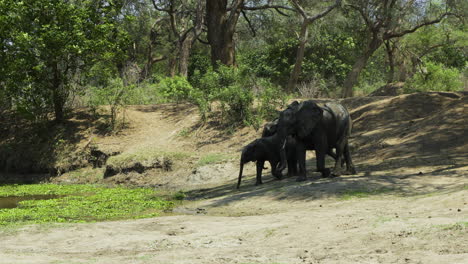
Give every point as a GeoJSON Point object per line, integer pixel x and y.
{"type": "Point", "coordinates": [85, 175]}
{"type": "Point", "coordinates": [186, 132]}
{"type": "Point", "coordinates": [81, 203]}
{"type": "Point", "coordinates": [362, 193]}
{"type": "Point", "coordinates": [213, 158]}
{"type": "Point", "coordinates": [459, 226]}
{"type": "Point", "coordinates": [145, 156]}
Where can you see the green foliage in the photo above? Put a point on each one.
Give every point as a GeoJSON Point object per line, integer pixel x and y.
{"type": "Point", "coordinates": [180, 195]}
{"type": "Point", "coordinates": [459, 226]}
{"type": "Point", "coordinates": [329, 55]}
{"type": "Point", "coordinates": [364, 193]}
{"type": "Point", "coordinates": [236, 104]}
{"type": "Point", "coordinates": [271, 98]}
{"type": "Point", "coordinates": [236, 90]}
{"type": "Point", "coordinates": [81, 203]}
{"type": "Point", "coordinates": [114, 95]}
{"type": "Point", "coordinates": [175, 88]}
{"type": "Point", "coordinates": [435, 78]}
{"type": "Point", "coordinates": [213, 158]}
{"type": "Point", "coordinates": [49, 44]}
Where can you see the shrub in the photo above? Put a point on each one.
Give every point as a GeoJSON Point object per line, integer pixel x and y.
{"type": "Point", "coordinates": [435, 78]}
{"type": "Point", "coordinates": [114, 94]}
{"type": "Point", "coordinates": [271, 98]}
{"type": "Point", "coordinates": [175, 88]}
{"type": "Point", "coordinates": [236, 104]}
{"type": "Point", "coordinates": [235, 89]}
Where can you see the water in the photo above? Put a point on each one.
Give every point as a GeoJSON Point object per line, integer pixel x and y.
{"type": "Point", "coordinates": [13, 201]}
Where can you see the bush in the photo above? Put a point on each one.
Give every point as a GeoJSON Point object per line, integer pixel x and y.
{"type": "Point", "coordinates": [114, 94]}
{"type": "Point", "coordinates": [175, 88]}
{"type": "Point", "coordinates": [271, 98]}
{"type": "Point", "coordinates": [236, 104]}
{"type": "Point", "coordinates": [435, 78]}
{"type": "Point", "coordinates": [235, 89]}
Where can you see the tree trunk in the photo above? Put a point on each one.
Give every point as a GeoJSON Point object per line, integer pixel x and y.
{"type": "Point", "coordinates": [57, 97]}
{"type": "Point", "coordinates": [358, 66]}
{"type": "Point", "coordinates": [299, 57]}
{"type": "Point", "coordinates": [391, 61]}
{"type": "Point", "coordinates": [221, 26]}
{"type": "Point", "coordinates": [172, 66]}
{"type": "Point", "coordinates": [58, 106]}
{"type": "Point", "coordinates": [186, 47]}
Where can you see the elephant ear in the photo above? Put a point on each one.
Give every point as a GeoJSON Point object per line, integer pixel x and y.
{"type": "Point", "coordinates": [308, 115]}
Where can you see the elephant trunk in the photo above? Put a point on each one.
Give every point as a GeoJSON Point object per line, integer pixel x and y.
{"type": "Point", "coordinates": [240, 174]}
{"type": "Point", "coordinates": [283, 162]}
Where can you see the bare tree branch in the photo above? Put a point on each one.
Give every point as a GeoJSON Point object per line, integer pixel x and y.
{"type": "Point", "coordinates": [363, 15]}
{"type": "Point", "coordinates": [159, 8]}
{"type": "Point", "coordinates": [203, 41]}
{"type": "Point", "coordinates": [251, 8]}
{"type": "Point", "coordinates": [309, 18]}
{"type": "Point", "coordinates": [389, 35]}
{"type": "Point", "coordinates": [249, 23]}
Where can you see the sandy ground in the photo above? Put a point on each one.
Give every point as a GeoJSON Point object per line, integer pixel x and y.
{"type": "Point", "coordinates": [407, 204]}
{"type": "Point", "coordinates": [280, 222]}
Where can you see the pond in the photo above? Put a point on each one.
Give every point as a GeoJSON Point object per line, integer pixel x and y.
{"type": "Point", "coordinates": [13, 201]}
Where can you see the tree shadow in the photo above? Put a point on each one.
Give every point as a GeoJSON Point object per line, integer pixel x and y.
{"type": "Point", "coordinates": [371, 179]}
{"type": "Point", "coordinates": [30, 150]}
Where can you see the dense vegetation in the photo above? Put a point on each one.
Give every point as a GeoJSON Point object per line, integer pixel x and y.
{"type": "Point", "coordinates": [60, 54]}
{"type": "Point", "coordinates": [80, 203]}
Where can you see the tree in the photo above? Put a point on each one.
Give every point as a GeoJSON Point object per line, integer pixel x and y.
{"type": "Point", "coordinates": [185, 22]}
{"type": "Point", "coordinates": [49, 44]}
{"type": "Point", "coordinates": [306, 21]}
{"type": "Point", "coordinates": [386, 20]}
{"type": "Point", "coordinates": [221, 21]}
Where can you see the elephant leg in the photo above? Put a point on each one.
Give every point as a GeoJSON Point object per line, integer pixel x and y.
{"type": "Point", "coordinates": [260, 164]}
{"type": "Point", "coordinates": [292, 164]}
{"type": "Point", "coordinates": [331, 153]}
{"type": "Point", "coordinates": [349, 163]}
{"type": "Point", "coordinates": [320, 151]}
{"type": "Point", "coordinates": [301, 159]}
{"type": "Point", "coordinates": [339, 159]}
{"type": "Point", "coordinates": [274, 172]}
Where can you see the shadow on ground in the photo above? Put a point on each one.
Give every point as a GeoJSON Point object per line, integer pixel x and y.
{"type": "Point", "coordinates": [371, 180]}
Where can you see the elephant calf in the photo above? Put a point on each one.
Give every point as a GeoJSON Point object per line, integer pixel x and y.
{"type": "Point", "coordinates": [267, 149]}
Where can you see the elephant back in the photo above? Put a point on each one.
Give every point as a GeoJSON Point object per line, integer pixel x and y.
{"type": "Point", "coordinates": [341, 118]}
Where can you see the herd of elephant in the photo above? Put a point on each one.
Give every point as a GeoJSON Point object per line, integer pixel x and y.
{"type": "Point", "coordinates": [300, 127]}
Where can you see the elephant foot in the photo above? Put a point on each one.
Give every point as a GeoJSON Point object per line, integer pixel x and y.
{"type": "Point", "coordinates": [336, 173]}
{"type": "Point", "coordinates": [258, 183]}
{"type": "Point", "coordinates": [350, 171]}
{"type": "Point", "coordinates": [278, 176]}
{"type": "Point", "coordinates": [326, 173]}
{"type": "Point", "coordinates": [301, 178]}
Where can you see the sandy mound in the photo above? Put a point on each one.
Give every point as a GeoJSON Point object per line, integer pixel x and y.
{"type": "Point", "coordinates": [412, 130]}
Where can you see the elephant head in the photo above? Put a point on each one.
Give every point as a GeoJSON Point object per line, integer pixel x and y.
{"type": "Point", "coordinates": [249, 153]}
{"type": "Point", "coordinates": [299, 120]}
{"type": "Point", "coordinates": [270, 128]}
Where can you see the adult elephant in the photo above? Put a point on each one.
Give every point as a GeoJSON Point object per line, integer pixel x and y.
{"type": "Point", "coordinates": [319, 128]}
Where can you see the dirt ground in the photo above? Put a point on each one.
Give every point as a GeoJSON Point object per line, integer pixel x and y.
{"type": "Point", "coordinates": [407, 204]}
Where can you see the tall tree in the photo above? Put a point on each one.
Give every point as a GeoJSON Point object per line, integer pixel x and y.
{"type": "Point", "coordinates": [307, 19]}
{"type": "Point", "coordinates": [49, 43]}
{"type": "Point", "coordinates": [185, 22]}
{"type": "Point", "coordinates": [390, 19]}
{"type": "Point", "coordinates": [221, 21]}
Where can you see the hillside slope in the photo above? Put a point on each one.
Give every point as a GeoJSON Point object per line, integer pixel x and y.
{"type": "Point", "coordinates": [407, 204]}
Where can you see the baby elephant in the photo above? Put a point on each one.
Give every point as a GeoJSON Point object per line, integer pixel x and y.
{"type": "Point", "coordinates": [266, 149]}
